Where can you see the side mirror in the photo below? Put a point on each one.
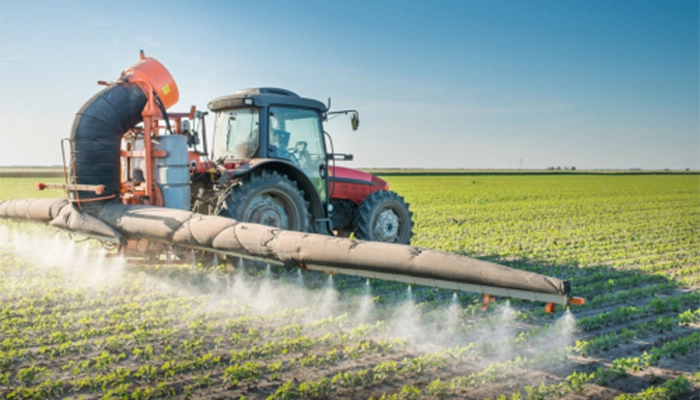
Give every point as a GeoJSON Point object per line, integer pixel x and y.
{"type": "Point", "coordinates": [354, 121]}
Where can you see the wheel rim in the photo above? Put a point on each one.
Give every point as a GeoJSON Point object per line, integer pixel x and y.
{"type": "Point", "coordinates": [386, 227]}
{"type": "Point", "coordinates": [272, 209]}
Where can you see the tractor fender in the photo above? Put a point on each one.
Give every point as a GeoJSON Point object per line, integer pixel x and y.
{"type": "Point", "coordinates": [317, 208]}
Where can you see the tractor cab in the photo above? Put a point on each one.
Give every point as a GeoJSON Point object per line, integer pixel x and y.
{"type": "Point", "coordinates": [273, 124]}
{"type": "Point", "coordinates": [290, 125]}
{"type": "Point", "coordinates": [274, 170]}
{"type": "Point", "coordinates": [274, 132]}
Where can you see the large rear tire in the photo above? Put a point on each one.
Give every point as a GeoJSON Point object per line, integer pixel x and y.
{"type": "Point", "coordinates": [268, 198]}
{"type": "Point", "coordinates": [384, 216]}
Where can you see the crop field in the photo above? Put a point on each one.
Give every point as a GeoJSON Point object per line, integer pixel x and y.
{"type": "Point", "coordinates": [78, 321]}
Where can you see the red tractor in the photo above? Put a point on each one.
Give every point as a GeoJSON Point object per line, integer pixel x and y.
{"type": "Point", "coordinates": [269, 163]}
{"type": "Point", "coordinates": [271, 166]}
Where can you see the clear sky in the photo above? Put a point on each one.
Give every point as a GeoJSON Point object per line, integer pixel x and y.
{"type": "Point", "coordinates": [461, 84]}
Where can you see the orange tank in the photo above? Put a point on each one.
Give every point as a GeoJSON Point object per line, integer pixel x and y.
{"type": "Point", "coordinates": [150, 70]}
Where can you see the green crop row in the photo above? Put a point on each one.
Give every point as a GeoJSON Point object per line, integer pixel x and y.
{"type": "Point", "coordinates": [575, 382]}
{"type": "Point", "coordinates": [627, 313]}
{"type": "Point", "coordinates": [613, 339]}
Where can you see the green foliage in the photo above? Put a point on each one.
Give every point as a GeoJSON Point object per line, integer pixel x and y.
{"type": "Point", "coordinates": [23, 188]}
{"type": "Point", "coordinates": [437, 388]}
{"type": "Point", "coordinates": [577, 380]}
{"type": "Point", "coordinates": [29, 374]}
{"type": "Point", "coordinates": [626, 243]}
{"type": "Point", "coordinates": [287, 391]}
{"type": "Point", "coordinates": [670, 389]}
{"type": "Point", "coordinates": [409, 393]}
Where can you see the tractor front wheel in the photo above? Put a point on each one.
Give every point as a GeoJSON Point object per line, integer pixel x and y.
{"type": "Point", "coordinates": [384, 217]}
{"type": "Point", "coordinates": [267, 198]}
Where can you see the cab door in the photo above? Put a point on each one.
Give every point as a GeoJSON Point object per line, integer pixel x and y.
{"type": "Point", "coordinates": [296, 134]}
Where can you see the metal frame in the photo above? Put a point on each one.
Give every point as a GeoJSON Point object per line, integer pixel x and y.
{"type": "Point", "coordinates": [412, 280]}
{"type": "Point", "coordinates": [463, 287]}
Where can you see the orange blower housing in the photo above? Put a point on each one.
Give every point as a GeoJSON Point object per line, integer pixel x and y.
{"type": "Point", "coordinates": [152, 76]}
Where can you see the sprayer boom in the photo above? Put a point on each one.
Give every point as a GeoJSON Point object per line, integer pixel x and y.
{"type": "Point", "coordinates": [118, 223]}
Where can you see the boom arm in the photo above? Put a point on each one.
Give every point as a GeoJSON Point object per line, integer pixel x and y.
{"type": "Point", "coordinates": [118, 223]}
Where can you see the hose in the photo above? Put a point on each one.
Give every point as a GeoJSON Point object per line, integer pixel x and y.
{"type": "Point", "coordinates": [97, 134]}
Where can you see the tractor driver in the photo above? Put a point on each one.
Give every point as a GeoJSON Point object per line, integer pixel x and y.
{"type": "Point", "coordinates": [279, 143]}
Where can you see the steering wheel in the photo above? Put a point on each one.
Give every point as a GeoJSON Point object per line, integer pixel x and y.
{"type": "Point", "coordinates": [300, 154]}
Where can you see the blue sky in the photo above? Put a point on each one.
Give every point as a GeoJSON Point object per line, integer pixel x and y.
{"type": "Point", "coordinates": [464, 84]}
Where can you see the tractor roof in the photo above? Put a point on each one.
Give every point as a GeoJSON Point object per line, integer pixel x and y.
{"type": "Point", "coordinates": [263, 97]}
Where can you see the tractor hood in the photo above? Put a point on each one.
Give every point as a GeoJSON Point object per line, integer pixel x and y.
{"type": "Point", "coordinates": [353, 176]}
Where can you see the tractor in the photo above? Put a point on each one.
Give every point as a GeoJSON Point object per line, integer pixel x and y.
{"type": "Point", "coordinates": [270, 165]}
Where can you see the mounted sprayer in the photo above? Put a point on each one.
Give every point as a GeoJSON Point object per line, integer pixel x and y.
{"type": "Point", "coordinates": [131, 177]}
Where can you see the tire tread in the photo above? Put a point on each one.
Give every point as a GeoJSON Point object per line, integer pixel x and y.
{"type": "Point", "coordinates": [368, 209]}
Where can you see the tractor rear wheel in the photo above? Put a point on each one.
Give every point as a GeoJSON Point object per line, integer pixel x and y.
{"type": "Point", "coordinates": [384, 217]}
{"type": "Point", "coordinates": [267, 198]}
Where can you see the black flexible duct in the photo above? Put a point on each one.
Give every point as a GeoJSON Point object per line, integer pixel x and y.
{"type": "Point", "coordinates": [96, 134]}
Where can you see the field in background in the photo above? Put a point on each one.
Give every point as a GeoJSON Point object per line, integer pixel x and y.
{"type": "Point", "coordinates": [31, 172]}
{"type": "Point", "coordinates": [57, 172]}
{"type": "Point", "coordinates": [75, 322]}
{"type": "Point", "coordinates": [477, 172]}
{"type": "Point", "coordinates": [25, 188]}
